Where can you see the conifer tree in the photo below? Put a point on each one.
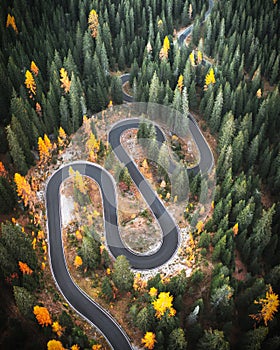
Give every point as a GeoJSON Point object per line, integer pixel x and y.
{"type": "Point", "coordinates": [16, 152]}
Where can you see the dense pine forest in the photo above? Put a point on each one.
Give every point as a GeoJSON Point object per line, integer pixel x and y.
{"type": "Point", "coordinates": [61, 61]}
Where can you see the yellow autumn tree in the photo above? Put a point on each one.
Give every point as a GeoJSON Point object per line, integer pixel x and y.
{"type": "Point", "coordinates": [153, 292]}
{"type": "Point", "coordinates": [34, 69]}
{"type": "Point", "coordinates": [64, 79]}
{"type": "Point", "coordinates": [78, 261]}
{"type": "Point", "coordinates": [210, 77]}
{"type": "Point", "coordinates": [75, 347]}
{"type": "Point", "coordinates": [164, 303]}
{"type": "Point", "coordinates": [191, 57]}
{"type": "Point", "coordinates": [269, 306]}
{"type": "Point", "coordinates": [38, 109]}
{"type": "Point", "coordinates": [92, 147]}
{"type": "Point", "coordinates": [11, 22]}
{"type": "Point", "coordinates": [199, 227]}
{"type": "Point", "coordinates": [199, 56]}
{"type": "Point", "coordinates": [165, 48]}
{"type": "Point", "coordinates": [93, 23]}
{"type": "Point", "coordinates": [30, 82]}
{"type": "Point", "coordinates": [44, 153]}
{"type": "Point", "coordinates": [96, 347]}
{"type": "Point", "coordinates": [259, 93]}
{"type": "Point", "coordinates": [235, 229]}
{"type": "Point", "coordinates": [57, 328]}
{"type": "Point", "coordinates": [180, 83]}
{"type": "Point", "coordinates": [42, 315]}
{"type": "Point", "coordinates": [62, 137]}
{"type": "Point", "coordinates": [23, 189]}
{"type": "Point", "coordinates": [24, 268]}
{"type": "Point", "coordinates": [149, 340]}
{"type": "Point", "coordinates": [55, 345]}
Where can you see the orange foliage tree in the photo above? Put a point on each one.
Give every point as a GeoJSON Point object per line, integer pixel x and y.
{"type": "Point", "coordinates": [149, 340]}
{"type": "Point", "coordinates": [24, 268]}
{"type": "Point", "coordinates": [23, 189]}
{"type": "Point", "coordinates": [45, 148]}
{"type": "Point", "coordinates": [3, 171]}
{"type": "Point", "coordinates": [93, 23]}
{"type": "Point", "coordinates": [235, 229]}
{"type": "Point", "coordinates": [75, 347]}
{"type": "Point", "coordinates": [11, 22]}
{"type": "Point", "coordinates": [55, 345]}
{"type": "Point", "coordinates": [269, 305]}
{"type": "Point", "coordinates": [42, 315]}
{"type": "Point", "coordinates": [57, 328]}
{"type": "Point", "coordinates": [78, 261]}
{"type": "Point", "coordinates": [64, 79]}
{"type": "Point", "coordinates": [180, 83]}
{"type": "Point", "coordinates": [34, 69]}
{"type": "Point", "coordinates": [30, 82]}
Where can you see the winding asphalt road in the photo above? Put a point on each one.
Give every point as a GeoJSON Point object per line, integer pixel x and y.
{"type": "Point", "coordinates": [79, 300]}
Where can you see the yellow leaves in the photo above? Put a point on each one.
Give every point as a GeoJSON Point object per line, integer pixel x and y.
{"type": "Point", "coordinates": [11, 22]}
{"type": "Point", "coordinates": [62, 133]}
{"type": "Point", "coordinates": [93, 23]}
{"type": "Point", "coordinates": [34, 69]}
{"type": "Point", "coordinates": [160, 23]}
{"type": "Point", "coordinates": [75, 347]}
{"type": "Point", "coordinates": [78, 235]}
{"type": "Point", "coordinates": [42, 315]}
{"type": "Point", "coordinates": [78, 180]}
{"type": "Point", "coordinates": [235, 229]}
{"type": "Point", "coordinates": [153, 292]}
{"type": "Point", "coordinates": [199, 226]}
{"type": "Point", "coordinates": [269, 305]}
{"type": "Point", "coordinates": [23, 188]}
{"type": "Point", "coordinates": [64, 79]}
{"type": "Point", "coordinates": [199, 56]}
{"type": "Point", "coordinates": [92, 147]}
{"type": "Point", "coordinates": [191, 57]}
{"type": "Point", "coordinates": [210, 78]}
{"type": "Point", "coordinates": [96, 347]}
{"type": "Point", "coordinates": [108, 271]}
{"type": "Point", "coordinates": [34, 243]}
{"type": "Point", "coordinates": [55, 345]}
{"type": "Point", "coordinates": [149, 340]}
{"type": "Point", "coordinates": [145, 164]}
{"type": "Point", "coordinates": [24, 268]}
{"type": "Point", "coordinates": [43, 266]}
{"type": "Point", "coordinates": [180, 83]}
{"type": "Point", "coordinates": [30, 82]}
{"type": "Point", "coordinates": [212, 205]}
{"type": "Point", "coordinates": [259, 93]}
{"type": "Point", "coordinates": [164, 303]}
{"type": "Point", "coordinates": [110, 104]}
{"type": "Point", "coordinates": [78, 261]}
{"type": "Point", "coordinates": [139, 284]}
{"type": "Point", "coordinates": [43, 150]}
{"type": "Point", "coordinates": [57, 328]}
{"type": "Point", "coordinates": [165, 48]}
